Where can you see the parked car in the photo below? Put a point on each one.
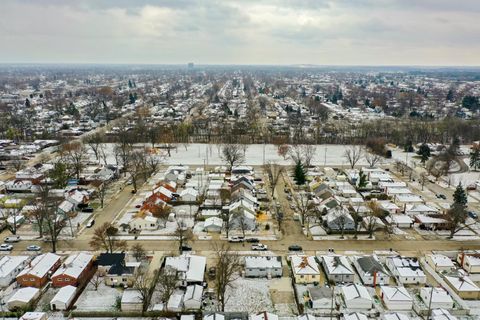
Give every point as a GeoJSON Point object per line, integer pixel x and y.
{"type": "Point", "coordinates": [441, 196]}
{"type": "Point", "coordinates": [252, 240]}
{"type": "Point", "coordinates": [87, 209]}
{"type": "Point", "coordinates": [212, 272]}
{"type": "Point", "coordinates": [90, 223]}
{"type": "Point", "coordinates": [186, 248]}
{"type": "Point", "coordinates": [236, 239]}
{"type": "Point", "coordinates": [11, 239]}
{"type": "Point", "coordinates": [259, 247]}
{"type": "Point", "coordinates": [6, 247]}
{"type": "Point", "coordinates": [472, 215]}
{"type": "Point", "coordinates": [33, 248]}
{"type": "Point", "coordinates": [295, 247]}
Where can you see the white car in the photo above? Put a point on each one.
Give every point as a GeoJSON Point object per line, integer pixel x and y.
{"type": "Point", "coordinates": [236, 239]}
{"type": "Point", "coordinates": [6, 247]}
{"type": "Point", "coordinates": [259, 247]}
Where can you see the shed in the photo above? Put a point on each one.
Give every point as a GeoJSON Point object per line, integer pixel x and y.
{"type": "Point", "coordinates": [63, 298]}
{"type": "Point", "coordinates": [23, 298]}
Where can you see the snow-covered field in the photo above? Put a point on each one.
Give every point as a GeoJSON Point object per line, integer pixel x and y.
{"type": "Point", "coordinates": [102, 299]}
{"type": "Point", "coordinates": [249, 294]}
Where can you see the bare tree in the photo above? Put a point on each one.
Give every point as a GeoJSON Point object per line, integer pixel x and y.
{"type": "Point", "coordinates": [94, 141]}
{"type": "Point", "coordinates": [138, 252]}
{"type": "Point", "coordinates": [423, 179]}
{"type": "Point", "coordinates": [228, 268]}
{"type": "Point", "coordinates": [183, 234]}
{"type": "Point", "coordinates": [456, 217]}
{"type": "Point", "coordinates": [274, 172]}
{"type": "Point", "coordinates": [340, 221]}
{"type": "Point", "coordinates": [105, 238]}
{"type": "Point", "coordinates": [102, 192]}
{"type": "Point", "coordinates": [145, 283]}
{"type": "Point", "coordinates": [371, 219]}
{"type": "Point", "coordinates": [308, 151]}
{"type": "Point", "coordinates": [75, 155]}
{"type": "Point", "coordinates": [53, 220]}
{"type": "Point", "coordinates": [353, 155]}
{"type": "Point", "coordinates": [305, 207]}
{"type": "Point", "coordinates": [168, 281]}
{"type": "Point", "coordinates": [96, 280]}
{"type": "Point", "coordinates": [233, 155]}
{"type": "Point", "coordinates": [372, 158]}
{"type": "Point", "coordinates": [161, 212]}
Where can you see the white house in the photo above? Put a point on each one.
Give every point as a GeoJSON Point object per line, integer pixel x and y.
{"type": "Point", "coordinates": [371, 271]}
{"type": "Point", "coordinates": [305, 269]}
{"type": "Point", "coordinates": [355, 316]}
{"type": "Point", "coordinates": [337, 268]}
{"type": "Point", "coordinates": [440, 297]}
{"type": "Point", "coordinates": [34, 316]}
{"type": "Point", "coordinates": [396, 298]}
{"type": "Point", "coordinates": [356, 297]}
{"type": "Point", "coordinates": [407, 270]}
{"type": "Point", "coordinates": [263, 266]}
{"type": "Point", "coordinates": [63, 298]}
{"type": "Point", "coordinates": [320, 297]}
{"type": "Point", "coordinates": [190, 267]}
{"type": "Point", "coordinates": [146, 222]}
{"type": "Point", "coordinates": [10, 267]}
{"type": "Point", "coordinates": [213, 224]}
{"type": "Point", "coordinates": [394, 316]}
{"type": "Point", "coordinates": [189, 195]}
{"type": "Point", "coordinates": [439, 262]}
{"type": "Point", "coordinates": [442, 314]}
{"type": "Point", "coordinates": [23, 298]}
{"type": "Point", "coordinates": [469, 262]}
{"type": "Point", "coordinates": [400, 220]}
{"type": "Point", "coordinates": [263, 316]}
{"type": "Point", "coordinates": [175, 302]}
{"type": "Point", "coordinates": [192, 300]}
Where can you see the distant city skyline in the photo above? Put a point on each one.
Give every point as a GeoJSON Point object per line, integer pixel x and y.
{"type": "Point", "coordinates": [242, 32]}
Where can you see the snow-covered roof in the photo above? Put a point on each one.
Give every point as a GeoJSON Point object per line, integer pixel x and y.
{"type": "Point", "coordinates": [131, 296]}
{"type": "Point", "coordinates": [304, 265]}
{"type": "Point", "coordinates": [337, 264]}
{"type": "Point", "coordinates": [191, 266]}
{"type": "Point", "coordinates": [254, 262]}
{"type": "Point", "coordinates": [396, 293]}
{"type": "Point", "coordinates": [74, 265]}
{"type": "Point", "coordinates": [355, 291]}
{"type": "Point", "coordinates": [64, 295]}
{"type": "Point", "coordinates": [462, 283]}
{"type": "Point", "coordinates": [395, 316]}
{"type": "Point", "coordinates": [442, 314]}
{"type": "Point", "coordinates": [355, 316]}
{"type": "Point", "coordinates": [41, 265]}
{"type": "Point", "coordinates": [193, 292]}
{"type": "Point", "coordinates": [439, 295]}
{"type": "Point", "coordinates": [10, 263]}
{"type": "Point", "coordinates": [24, 295]}
{"type": "Point", "coordinates": [440, 260]}
{"type": "Point", "coordinates": [33, 316]}
{"type": "Point", "coordinates": [263, 316]}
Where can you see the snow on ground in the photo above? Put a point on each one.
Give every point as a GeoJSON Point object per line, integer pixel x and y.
{"type": "Point", "coordinates": [249, 294]}
{"type": "Point", "coordinates": [102, 299]}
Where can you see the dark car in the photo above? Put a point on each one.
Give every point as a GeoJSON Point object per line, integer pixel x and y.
{"type": "Point", "coordinates": [252, 240]}
{"type": "Point", "coordinates": [186, 248]}
{"type": "Point", "coordinates": [295, 247]}
{"type": "Point", "coordinates": [472, 215]}
{"type": "Point", "coordinates": [87, 209]}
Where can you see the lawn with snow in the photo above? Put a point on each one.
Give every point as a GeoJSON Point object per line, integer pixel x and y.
{"type": "Point", "coordinates": [102, 299]}
{"type": "Point", "coordinates": [249, 294]}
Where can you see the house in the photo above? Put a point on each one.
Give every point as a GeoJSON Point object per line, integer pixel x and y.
{"type": "Point", "coordinates": [34, 316]}
{"type": "Point", "coordinates": [263, 316]}
{"type": "Point", "coordinates": [120, 275]}
{"type": "Point", "coordinates": [388, 206]}
{"type": "Point", "coordinates": [442, 314]}
{"type": "Point", "coordinates": [337, 268]}
{"type": "Point", "coordinates": [407, 270]}
{"type": "Point", "coordinates": [463, 286]}
{"type": "Point", "coordinates": [440, 297]}
{"type": "Point", "coordinates": [63, 299]}
{"type": "Point", "coordinates": [396, 298]}
{"type": "Point", "coordinates": [192, 300]}
{"type": "Point", "coordinates": [189, 195]}
{"type": "Point", "coordinates": [37, 273]}
{"type": "Point", "coordinates": [143, 222]}
{"type": "Point", "coordinates": [213, 224]}
{"type": "Point", "coordinates": [244, 194]}
{"type": "Point", "coordinates": [241, 215]}
{"type": "Point", "coordinates": [394, 316]}
{"type": "Point", "coordinates": [338, 219]}
{"type": "Point", "coordinates": [400, 220]}
{"type": "Point", "coordinates": [356, 297]}
{"type": "Point", "coordinates": [74, 271]}
{"type": "Point", "coordinates": [190, 267]}
{"type": "Point", "coordinates": [305, 269]}
{"type": "Point", "coordinates": [431, 222]}
{"type": "Point", "coordinates": [23, 298]}
{"type": "Point", "coordinates": [263, 267]}
{"type": "Point", "coordinates": [440, 262]}
{"type": "Point", "coordinates": [470, 262]}
{"type": "Point", "coordinates": [175, 302]}
{"type": "Point", "coordinates": [320, 297]}
{"type": "Point", "coordinates": [371, 271]}
{"type": "Point", "coordinates": [419, 208]}
{"type": "Point", "coordinates": [131, 301]}
{"type": "Point", "coordinates": [355, 316]}
{"type": "Point", "coordinates": [10, 267]}
{"type": "Point", "coordinates": [214, 316]}
{"type": "Point", "coordinates": [163, 194]}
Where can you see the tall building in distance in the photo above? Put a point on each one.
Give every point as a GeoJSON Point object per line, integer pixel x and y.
{"type": "Point", "coordinates": [190, 65]}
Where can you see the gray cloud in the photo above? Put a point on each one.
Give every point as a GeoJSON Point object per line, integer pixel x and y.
{"type": "Point", "coordinates": [241, 31]}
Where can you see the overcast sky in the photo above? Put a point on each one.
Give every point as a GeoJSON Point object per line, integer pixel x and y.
{"type": "Point", "coordinates": [324, 32]}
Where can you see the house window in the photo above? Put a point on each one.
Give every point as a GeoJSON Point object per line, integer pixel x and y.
{"type": "Point", "coordinates": [262, 269]}
{"type": "Point", "coordinates": [67, 279]}
{"type": "Point", "coordinates": [124, 279]}
{"type": "Point", "coordinates": [301, 277]}
{"type": "Point", "coordinates": [31, 279]}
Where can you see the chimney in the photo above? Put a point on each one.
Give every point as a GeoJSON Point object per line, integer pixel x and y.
{"type": "Point", "coordinates": [374, 279]}
{"type": "Point", "coordinates": [462, 259]}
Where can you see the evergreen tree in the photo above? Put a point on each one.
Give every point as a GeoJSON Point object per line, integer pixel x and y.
{"type": "Point", "coordinates": [362, 180]}
{"type": "Point", "coordinates": [460, 197]}
{"type": "Point", "coordinates": [131, 98]}
{"type": "Point", "coordinates": [424, 152]}
{"type": "Point", "coordinates": [408, 146]}
{"type": "Point", "coordinates": [130, 85]}
{"type": "Point", "coordinates": [475, 158]}
{"type": "Point", "coordinates": [299, 173]}
{"type": "Point", "coordinates": [450, 95]}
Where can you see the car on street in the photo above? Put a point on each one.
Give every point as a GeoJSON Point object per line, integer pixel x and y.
{"type": "Point", "coordinates": [212, 271]}
{"type": "Point", "coordinates": [6, 247]}
{"type": "Point", "coordinates": [259, 247]}
{"type": "Point", "coordinates": [11, 239]}
{"type": "Point", "coordinates": [236, 239]}
{"type": "Point", "coordinates": [90, 223]}
{"type": "Point", "coordinates": [441, 196]}
{"type": "Point", "coordinates": [472, 215]}
{"type": "Point", "coordinates": [295, 247]}
{"type": "Point", "coordinates": [252, 240]}
{"type": "Point", "coordinates": [87, 209]}
{"type": "Point", "coordinates": [186, 248]}
{"type": "Point", "coordinates": [33, 248]}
